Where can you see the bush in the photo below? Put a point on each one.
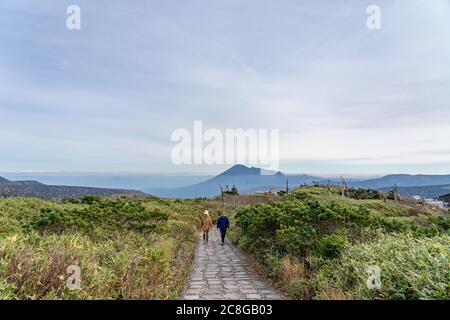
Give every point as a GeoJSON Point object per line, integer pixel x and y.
{"type": "Point", "coordinates": [296, 226]}
{"type": "Point", "coordinates": [112, 215]}
{"type": "Point", "coordinates": [313, 231]}
{"type": "Point", "coordinates": [126, 249]}
{"type": "Point", "coordinates": [90, 200]}
{"type": "Point", "coordinates": [364, 194]}
{"type": "Point", "coordinates": [331, 246]}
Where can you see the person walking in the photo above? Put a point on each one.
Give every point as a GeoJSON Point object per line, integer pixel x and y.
{"type": "Point", "coordinates": [206, 225]}
{"type": "Point", "coordinates": [223, 224]}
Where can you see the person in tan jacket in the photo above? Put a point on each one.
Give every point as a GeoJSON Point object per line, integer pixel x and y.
{"type": "Point", "coordinates": [206, 225]}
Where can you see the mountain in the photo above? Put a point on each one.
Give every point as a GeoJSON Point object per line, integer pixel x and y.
{"type": "Point", "coordinates": [251, 180]}
{"type": "Point", "coordinates": [3, 181]}
{"type": "Point", "coordinates": [247, 180]}
{"type": "Point", "coordinates": [39, 190]}
{"type": "Point", "coordinates": [431, 192]}
{"type": "Point", "coordinates": [113, 180]}
{"type": "Point", "coordinates": [403, 180]}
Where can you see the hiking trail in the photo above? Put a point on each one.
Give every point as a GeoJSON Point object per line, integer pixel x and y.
{"type": "Point", "coordinates": [224, 273]}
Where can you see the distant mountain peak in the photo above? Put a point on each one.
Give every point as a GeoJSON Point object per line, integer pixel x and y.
{"type": "Point", "coordinates": [241, 170]}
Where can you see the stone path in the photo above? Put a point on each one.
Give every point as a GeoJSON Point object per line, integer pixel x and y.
{"type": "Point", "coordinates": [224, 273]}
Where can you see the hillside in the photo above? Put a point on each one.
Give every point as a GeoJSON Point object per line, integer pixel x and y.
{"type": "Point", "coordinates": [312, 243]}
{"type": "Point", "coordinates": [403, 180]}
{"type": "Point", "coordinates": [38, 190]}
{"type": "Point", "coordinates": [6, 182]}
{"type": "Point", "coordinates": [252, 180]}
{"type": "Point", "coordinates": [3, 181]}
{"type": "Point", "coordinates": [431, 192]}
{"type": "Point", "coordinates": [317, 245]}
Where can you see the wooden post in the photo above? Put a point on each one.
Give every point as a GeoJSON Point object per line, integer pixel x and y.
{"type": "Point", "coordinates": [221, 194]}
{"type": "Point", "coordinates": [395, 194]}
{"type": "Point", "coordinates": [343, 186]}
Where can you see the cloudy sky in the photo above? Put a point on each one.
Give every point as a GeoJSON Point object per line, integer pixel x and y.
{"type": "Point", "coordinates": [346, 99]}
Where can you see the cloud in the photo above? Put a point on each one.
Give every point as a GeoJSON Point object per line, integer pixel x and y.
{"type": "Point", "coordinates": [110, 94]}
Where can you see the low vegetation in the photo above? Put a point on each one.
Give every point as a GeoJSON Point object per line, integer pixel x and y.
{"type": "Point", "coordinates": [126, 248]}
{"type": "Point", "coordinates": [317, 245]}
{"type": "Point", "coordinates": [312, 242]}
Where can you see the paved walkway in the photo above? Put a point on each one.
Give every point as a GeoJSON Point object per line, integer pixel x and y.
{"type": "Point", "coordinates": [223, 272]}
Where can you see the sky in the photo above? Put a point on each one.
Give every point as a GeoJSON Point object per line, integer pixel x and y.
{"type": "Point", "coordinates": [107, 97]}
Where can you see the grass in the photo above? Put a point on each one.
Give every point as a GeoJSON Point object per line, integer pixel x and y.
{"type": "Point", "coordinates": [411, 268]}
{"type": "Point", "coordinates": [127, 248]}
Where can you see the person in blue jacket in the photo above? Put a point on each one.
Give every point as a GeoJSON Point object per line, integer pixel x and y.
{"type": "Point", "coordinates": [223, 223]}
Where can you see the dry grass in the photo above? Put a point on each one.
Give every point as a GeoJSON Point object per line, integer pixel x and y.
{"type": "Point", "coordinates": [40, 275]}
{"type": "Point", "coordinates": [334, 294]}
{"type": "Point", "coordinates": [291, 269]}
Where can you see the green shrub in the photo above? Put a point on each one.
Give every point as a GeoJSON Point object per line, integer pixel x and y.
{"type": "Point", "coordinates": [319, 229]}
{"type": "Point", "coordinates": [90, 200]}
{"type": "Point", "coordinates": [330, 246]}
{"type": "Point", "coordinates": [364, 194]}
{"type": "Point", "coordinates": [109, 214]}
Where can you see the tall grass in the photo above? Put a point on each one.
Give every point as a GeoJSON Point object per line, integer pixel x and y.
{"type": "Point", "coordinates": [410, 268]}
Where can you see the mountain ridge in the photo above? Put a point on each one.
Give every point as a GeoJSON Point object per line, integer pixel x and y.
{"type": "Point", "coordinates": [3, 181]}
{"type": "Point", "coordinates": [432, 192]}
{"type": "Point", "coordinates": [246, 179]}
{"type": "Point", "coordinates": [36, 189]}
{"type": "Point", "coordinates": [249, 180]}
{"type": "Point", "coordinates": [403, 180]}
